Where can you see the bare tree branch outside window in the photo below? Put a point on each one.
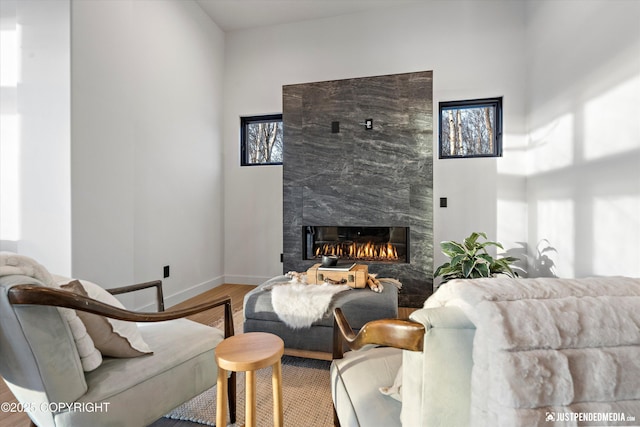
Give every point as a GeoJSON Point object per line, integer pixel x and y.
{"type": "Point", "coordinates": [471, 128]}
{"type": "Point", "coordinates": [261, 140]}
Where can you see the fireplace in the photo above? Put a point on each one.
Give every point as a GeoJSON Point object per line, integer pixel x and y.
{"type": "Point", "coordinates": [364, 244]}
{"type": "Point", "coordinates": [361, 177]}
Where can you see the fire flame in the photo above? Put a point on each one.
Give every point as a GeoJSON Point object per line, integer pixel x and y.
{"type": "Point", "coordinates": [359, 251]}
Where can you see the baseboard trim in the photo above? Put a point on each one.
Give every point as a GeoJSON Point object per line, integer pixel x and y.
{"type": "Point", "coordinates": [191, 292]}
{"type": "Point", "coordinates": [246, 280]}
{"type": "Point", "coordinates": [185, 294]}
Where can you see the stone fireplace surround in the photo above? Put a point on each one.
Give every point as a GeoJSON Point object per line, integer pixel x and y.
{"type": "Point", "coordinates": [381, 176]}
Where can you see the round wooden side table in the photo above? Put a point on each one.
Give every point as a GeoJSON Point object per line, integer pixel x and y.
{"type": "Point", "coordinates": [248, 353]}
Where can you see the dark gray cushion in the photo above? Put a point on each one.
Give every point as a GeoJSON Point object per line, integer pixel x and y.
{"type": "Point", "coordinates": [359, 306]}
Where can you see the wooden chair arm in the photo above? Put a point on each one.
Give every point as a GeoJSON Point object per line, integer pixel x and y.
{"type": "Point", "coordinates": [131, 288]}
{"type": "Point", "coordinates": [402, 334]}
{"type": "Point", "coordinates": [38, 295]}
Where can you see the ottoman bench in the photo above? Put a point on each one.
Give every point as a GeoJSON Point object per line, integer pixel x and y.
{"type": "Point", "coordinates": [359, 306]}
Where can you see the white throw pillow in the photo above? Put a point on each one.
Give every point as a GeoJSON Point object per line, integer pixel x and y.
{"type": "Point", "coordinates": [115, 338]}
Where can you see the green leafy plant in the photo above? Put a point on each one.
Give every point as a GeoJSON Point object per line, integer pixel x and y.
{"type": "Point", "coordinates": [470, 260]}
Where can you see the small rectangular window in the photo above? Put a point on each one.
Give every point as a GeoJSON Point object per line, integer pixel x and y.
{"type": "Point", "coordinates": [261, 140]}
{"type": "Point", "coordinates": [470, 128]}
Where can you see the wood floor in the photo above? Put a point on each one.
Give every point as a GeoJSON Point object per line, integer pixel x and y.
{"type": "Point", "coordinates": [236, 292]}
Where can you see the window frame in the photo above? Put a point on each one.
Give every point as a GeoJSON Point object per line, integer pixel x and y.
{"type": "Point", "coordinates": [245, 121]}
{"type": "Point", "coordinates": [495, 103]}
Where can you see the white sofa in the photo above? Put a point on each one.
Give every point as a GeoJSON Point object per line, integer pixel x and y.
{"type": "Point", "coordinates": [506, 352]}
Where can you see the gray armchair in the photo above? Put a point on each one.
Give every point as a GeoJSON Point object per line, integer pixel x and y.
{"type": "Point", "coordinates": [39, 360]}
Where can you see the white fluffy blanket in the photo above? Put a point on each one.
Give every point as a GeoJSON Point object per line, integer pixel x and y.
{"type": "Point", "coordinates": [551, 349]}
{"type": "Point", "coordinates": [12, 263]}
{"type": "Point", "coordinates": [298, 305]}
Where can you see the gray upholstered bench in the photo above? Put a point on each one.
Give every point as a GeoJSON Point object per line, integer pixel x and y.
{"type": "Point", "coordinates": [359, 305]}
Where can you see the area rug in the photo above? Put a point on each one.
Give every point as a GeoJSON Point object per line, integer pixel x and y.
{"type": "Point", "coordinates": [306, 395]}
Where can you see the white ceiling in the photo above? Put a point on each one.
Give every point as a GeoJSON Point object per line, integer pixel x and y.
{"type": "Point", "coordinates": [233, 15]}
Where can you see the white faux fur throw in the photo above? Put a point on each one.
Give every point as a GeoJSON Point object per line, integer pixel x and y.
{"type": "Point", "coordinates": [298, 305]}
{"type": "Point", "coordinates": [551, 347]}
{"type": "Point", "coordinates": [12, 263]}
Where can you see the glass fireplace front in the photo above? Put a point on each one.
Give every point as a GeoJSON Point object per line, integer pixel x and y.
{"type": "Point", "coordinates": [372, 244]}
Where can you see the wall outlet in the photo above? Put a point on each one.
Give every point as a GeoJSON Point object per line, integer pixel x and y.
{"type": "Point", "coordinates": [165, 272]}
{"type": "Point", "coordinates": [443, 202]}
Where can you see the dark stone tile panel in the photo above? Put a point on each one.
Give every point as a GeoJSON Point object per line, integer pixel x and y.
{"type": "Point", "coordinates": [361, 177]}
{"type": "Point", "coordinates": [355, 205]}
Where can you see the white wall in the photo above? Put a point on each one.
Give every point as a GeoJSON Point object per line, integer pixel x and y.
{"type": "Point", "coordinates": [41, 111]}
{"type": "Point", "coordinates": [148, 123]}
{"type": "Point", "coordinates": [146, 145]}
{"type": "Point", "coordinates": [478, 55]}
{"type": "Point", "coordinates": [583, 187]}
{"type": "Point", "coordinates": [9, 122]}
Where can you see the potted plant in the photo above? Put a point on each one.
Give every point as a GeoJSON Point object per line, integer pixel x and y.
{"type": "Point", "coordinates": [470, 260]}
